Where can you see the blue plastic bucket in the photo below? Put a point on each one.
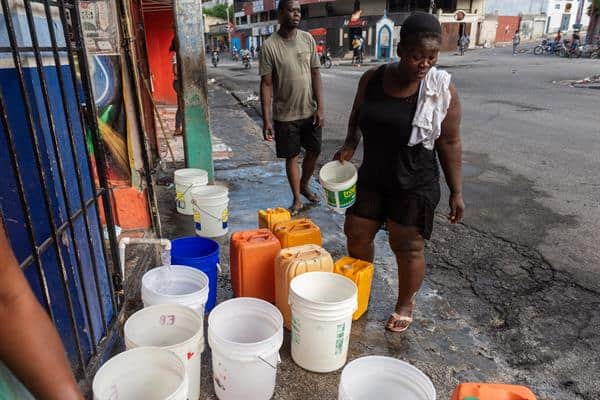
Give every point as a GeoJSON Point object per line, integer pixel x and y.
{"type": "Point", "coordinates": [202, 254]}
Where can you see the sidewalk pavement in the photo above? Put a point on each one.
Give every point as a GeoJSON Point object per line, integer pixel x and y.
{"type": "Point", "coordinates": [458, 312]}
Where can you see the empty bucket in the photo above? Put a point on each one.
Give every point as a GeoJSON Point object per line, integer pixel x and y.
{"type": "Point", "coordinates": [322, 307]}
{"type": "Point", "coordinates": [177, 284]}
{"type": "Point", "coordinates": [211, 213]}
{"type": "Point", "coordinates": [172, 327]}
{"type": "Point", "coordinates": [384, 378]}
{"type": "Point", "coordinates": [185, 180]}
{"type": "Point", "coordinates": [245, 336]}
{"type": "Point", "coordinates": [339, 184]}
{"type": "Point", "coordinates": [202, 254]}
{"type": "Point", "coordinates": [148, 373]}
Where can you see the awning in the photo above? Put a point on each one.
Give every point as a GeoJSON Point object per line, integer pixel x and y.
{"type": "Point", "coordinates": [318, 32]}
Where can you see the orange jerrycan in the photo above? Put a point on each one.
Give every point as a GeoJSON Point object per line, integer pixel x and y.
{"type": "Point", "coordinates": [267, 219]}
{"type": "Point", "coordinates": [252, 262]}
{"type": "Point", "coordinates": [292, 262]}
{"type": "Point", "coordinates": [297, 232]}
{"type": "Point", "coordinates": [489, 391]}
{"type": "Point", "coordinates": [361, 273]}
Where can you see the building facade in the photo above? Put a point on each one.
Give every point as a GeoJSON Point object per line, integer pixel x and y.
{"type": "Point", "coordinates": [568, 16]}
{"type": "Point", "coordinates": [378, 22]}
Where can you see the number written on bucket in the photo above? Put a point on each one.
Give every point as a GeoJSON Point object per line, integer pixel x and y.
{"type": "Point", "coordinates": [167, 319]}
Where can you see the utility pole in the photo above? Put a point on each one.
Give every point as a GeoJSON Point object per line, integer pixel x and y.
{"type": "Point", "coordinates": [189, 28]}
{"type": "Point", "coordinates": [228, 28]}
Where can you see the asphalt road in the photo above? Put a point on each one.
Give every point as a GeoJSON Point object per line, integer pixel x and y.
{"type": "Point", "coordinates": [531, 148]}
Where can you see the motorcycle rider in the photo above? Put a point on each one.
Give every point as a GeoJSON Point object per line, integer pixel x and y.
{"type": "Point", "coordinates": [321, 51]}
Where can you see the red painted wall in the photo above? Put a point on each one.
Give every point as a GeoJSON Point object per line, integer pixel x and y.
{"type": "Point", "coordinates": [159, 33]}
{"type": "Point", "coordinates": [506, 28]}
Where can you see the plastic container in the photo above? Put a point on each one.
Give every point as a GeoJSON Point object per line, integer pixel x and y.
{"type": "Point", "coordinates": [384, 378]}
{"type": "Point", "coordinates": [293, 262]}
{"type": "Point", "coordinates": [322, 307]}
{"type": "Point", "coordinates": [361, 273]}
{"type": "Point", "coordinates": [339, 184]}
{"type": "Point", "coordinates": [201, 254]}
{"type": "Point", "coordinates": [211, 210]}
{"type": "Point", "coordinates": [176, 284]}
{"type": "Point", "coordinates": [185, 180]}
{"type": "Point", "coordinates": [252, 264]}
{"type": "Point", "coordinates": [488, 391]}
{"type": "Point", "coordinates": [298, 232]}
{"type": "Point", "coordinates": [172, 327]}
{"type": "Point", "coordinates": [267, 219]}
{"type": "Point", "coordinates": [148, 373]}
{"type": "Point", "coordinates": [245, 336]}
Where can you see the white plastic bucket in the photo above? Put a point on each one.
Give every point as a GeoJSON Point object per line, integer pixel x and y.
{"type": "Point", "coordinates": [245, 335]}
{"type": "Point", "coordinates": [172, 327]}
{"type": "Point", "coordinates": [322, 307]}
{"type": "Point", "coordinates": [148, 373]}
{"type": "Point", "coordinates": [384, 378]}
{"type": "Point", "coordinates": [176, 284]}
{"type": "Point", "coordinates": [185, 180]}
{"type": "Point", "coordinates": [211, 213]}
{"type": "Point", "coordinates": [339, 184]}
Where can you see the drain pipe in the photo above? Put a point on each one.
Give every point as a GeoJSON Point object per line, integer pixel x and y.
{"type": "Point", "coordinates": [123, 243]}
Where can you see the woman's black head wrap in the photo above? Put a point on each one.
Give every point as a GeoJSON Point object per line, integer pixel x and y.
{"type": "Point", "coordinates": [420, 23]}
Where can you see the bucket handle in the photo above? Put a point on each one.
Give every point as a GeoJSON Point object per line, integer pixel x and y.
{"type": "Point", "coordinates": [268, 363]}
{"type": "Point", "coordinates": [203, 210]}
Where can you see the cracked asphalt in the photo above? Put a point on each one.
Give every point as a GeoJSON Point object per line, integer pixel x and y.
{"type": "Point", "coordinates": [512, 294]}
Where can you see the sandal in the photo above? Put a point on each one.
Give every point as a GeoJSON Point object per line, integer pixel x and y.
{"type": "Point", "coordinates": [310, 196]}
{"type": "Point", "coordinates": [294, 211]}
{"type": "Point", "coordinates": [398, 323]}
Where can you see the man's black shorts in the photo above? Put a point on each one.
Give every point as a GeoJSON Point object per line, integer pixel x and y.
{"type": "Point", "coordinates": [291, 136]}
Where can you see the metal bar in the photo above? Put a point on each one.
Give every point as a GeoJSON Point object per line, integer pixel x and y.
{"type": "Point", "coordinates": [12, 151]}
{"type": "Point", "coordinates": [133, 78]}
{"type": "Point", "coordinates": [38, 163]}
{"type": "Point", "coordinates": [61, 167]}
{"type": "Point", "coordinates": [91, 118]}
{"type": "Point", "coordinates": [73, 145]}
{"type": "Point", "coordinates": [5, 49]}
{"type": "Point", "coordinates": [46, 243]}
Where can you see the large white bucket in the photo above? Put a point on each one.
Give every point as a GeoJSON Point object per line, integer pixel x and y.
{"type": "Point", "coordinates": [245, 336]}
{"type": "Point", "coordinates": [172, 327]}
{"type": "Point", "coordinates": [322, 307]}
{"type": "Point", "coordinates": [339, 184]}
{"type": "Point", "coordinates": [185, 180]}
{"type": "Point", "coordinates": [384, 378]}
{"type": "Point", "coordinates": [148, 373]}
{"type": "Point", "coordinates": [211, 213]}
{"type": "Point", "coordinates": [176, 284]}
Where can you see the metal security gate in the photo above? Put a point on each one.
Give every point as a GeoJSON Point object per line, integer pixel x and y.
{"type": "Point", "coordinates": [53, 186]}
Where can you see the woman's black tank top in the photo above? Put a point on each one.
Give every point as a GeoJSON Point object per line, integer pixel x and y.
{"type": "Point", "coordinates": [386, 126]}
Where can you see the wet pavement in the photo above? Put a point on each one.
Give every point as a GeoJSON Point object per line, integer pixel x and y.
{"type": "Point", "coordinates": [491, 309]}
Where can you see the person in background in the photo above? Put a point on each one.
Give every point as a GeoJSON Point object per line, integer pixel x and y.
{"type": "Point", "coordinates": [463, 43]}
{"type": "Point", "coordinates": [516, 41]}
{"type": "Point", "coordinates": [361, 49]}
{"type": "Point", "coordinates": [408, 114]}
{"type": "Point", "coordinates": [355, 46]}
{"type": "Point", "coordinates": [320, 48]}
{"type": "Point", "coordinates": [252, 49]}
{"type": "Point", "coordinates": [176, 85]}
{"type": "Point", "coordinates": [290, 87]}
{"type": "Point", "coordinates": [33, 363]}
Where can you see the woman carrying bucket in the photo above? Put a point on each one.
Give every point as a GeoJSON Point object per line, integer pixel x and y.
{"type": "Point", "coordinates": [409, 114]}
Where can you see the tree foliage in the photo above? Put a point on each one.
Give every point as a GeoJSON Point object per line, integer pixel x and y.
{"type": "Point", "coordinates": [220, 11]}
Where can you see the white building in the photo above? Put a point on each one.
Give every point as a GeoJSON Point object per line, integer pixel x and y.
{"type": "Point", "coordinates": [212, 3]}
{"type": "Point", "coordinates": [567, 15]}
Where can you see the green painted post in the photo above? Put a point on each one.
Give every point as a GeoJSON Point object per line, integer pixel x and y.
{"type": "Point", "coordinates": [194, 92]}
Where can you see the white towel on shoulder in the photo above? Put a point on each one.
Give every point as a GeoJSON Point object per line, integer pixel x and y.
{"type": "Point", "coordinates": [432, 107]}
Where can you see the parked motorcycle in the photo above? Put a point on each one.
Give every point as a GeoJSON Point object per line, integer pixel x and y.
{"type": "Point", "coordinates": [215, 59]}
{"type": "Point", "coordinates": [549, 47]}
{"type": "Point", "coordinates": [326, 60]}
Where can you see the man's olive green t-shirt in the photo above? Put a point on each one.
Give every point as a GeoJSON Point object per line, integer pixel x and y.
{"type": "Point", "coordinates": [290, 62]}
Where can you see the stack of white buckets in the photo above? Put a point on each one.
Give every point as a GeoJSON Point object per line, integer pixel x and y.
{"type": "Point", "coordinates": [207, 203]}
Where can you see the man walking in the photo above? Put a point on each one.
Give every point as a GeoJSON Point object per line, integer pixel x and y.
{"type": "Point", "coordinates": [516, 41]}
{"type": "Point", "coordinates": [291, 87]}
